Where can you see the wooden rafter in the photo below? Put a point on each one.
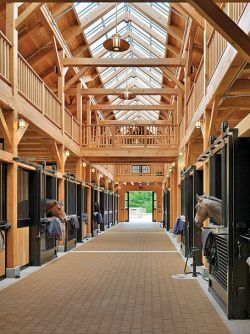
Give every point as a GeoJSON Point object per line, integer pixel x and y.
{"type": "Point", "coordinates": [4, 129]}
{"type": "Point", "coordinates": [137, 107]}
{"type": "Point", "coordinates": [21, 132]}
{"type": "Point", "coordinates": [171, 76]}
{"type": "Point", "coordinates": [124, 62]}
{"type": "Point", "coordinates": [224, 25]}
{"type": "Point", "coordinates": [159, 19]}
{"type": "Point", "coordinates": [58, 61]}
{"type": "Point", "coordinates": [117, 91]}
{"type": "Point", "coordinates": [26, 14]}
{"type": "Point", "coordinates": [75, 78]}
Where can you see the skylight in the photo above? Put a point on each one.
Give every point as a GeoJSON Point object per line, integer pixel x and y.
{"type": "Point", "coordinates": [146, 38]}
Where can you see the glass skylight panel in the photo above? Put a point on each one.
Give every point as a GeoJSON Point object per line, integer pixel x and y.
{"type": "Point", "coordinates": [153, 46]}
{"type": "Point", "coordinates": [83, 8]}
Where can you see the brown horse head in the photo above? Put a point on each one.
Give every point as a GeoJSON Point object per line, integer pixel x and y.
{"type": "Point", "coordinates": [56, 209]}
{"type": "Point", "coordinates": [208, 207]}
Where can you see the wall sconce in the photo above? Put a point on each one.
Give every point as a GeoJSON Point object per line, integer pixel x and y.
{"type": "Point", "coordinates": [132, 183]}
{"type": "Point", "coordinates": [180, 154]}
{"type": "Point", "coordinates": [173, 164]}
{"type": "Point", "coordinates": [66, 153]}
{"type": "Point", "coordinates": [170, 170]}
{"type": "Point", "coordinates": [109, 181]}
{"type": "Point", "coordinates": [93, 170]}
{"type": "Point", "coordinates": [198, 124]}
{"type": "Point", "coordinates": [21, 123]}
{"type": "Point", "coordinates": [84, 164]}
{"type": "Point", "coordinates": [167, 175]}
{"type": "Point", "coordinates": [100, 175]}
{"type": "Point", "coordinates": [124, 183]}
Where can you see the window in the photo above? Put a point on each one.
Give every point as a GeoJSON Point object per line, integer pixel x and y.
{"type": "Point", "coordinates": [23, 194]}
{"type": "Point", "coordinates": [140, 169]}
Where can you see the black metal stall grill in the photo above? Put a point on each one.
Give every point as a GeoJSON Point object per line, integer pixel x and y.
{"type": "Point", "coordinates": [47, 244]}
{"type": "Point", "coordinates": [221, 275]}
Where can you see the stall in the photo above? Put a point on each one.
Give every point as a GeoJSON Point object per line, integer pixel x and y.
{"type": "Point", "coordinates": [115, 208]}
{"type": "Point", "coordinates": [229, 165]}
{"type": "Point", "coordinates": [104, 209]}
{"type": "Point", "coordinates": [72, 213]}
{"type": "Point", "coordinates": [191, 185]}
{"type": "Point", "coordinates": [110, 209]}
{"type": "Point", "coordinates": [3, 222]}
{"type": "Point", "coordinates": [81, 211]}
{"type": "Point", "coordinates": [166, 209]}
{"type": "Point", "coordinates": [94, 199]}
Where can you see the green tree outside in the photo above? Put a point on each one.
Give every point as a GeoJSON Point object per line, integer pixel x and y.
{"type": "Point", "coordinates": [141, 199]}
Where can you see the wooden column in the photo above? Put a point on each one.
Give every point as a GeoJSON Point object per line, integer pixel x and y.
{"type": "Point", "coordinates": [79, 108]}
{"type": "Point", "coordinates": [88, 119]}
{"type": "Point", "coordinates": [173, 197]}
{"type": "Point", "coordinates": [79, 170]}
{"type": "Point", "coordinates": [89, 194]}
{"type": "Point", "coordinates": [11, 120]}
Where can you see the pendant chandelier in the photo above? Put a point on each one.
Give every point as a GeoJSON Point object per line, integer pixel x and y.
{"type": "Point", "coordinates": [127, 95]}
{"type": "Point", "coordinates": [116, 43]}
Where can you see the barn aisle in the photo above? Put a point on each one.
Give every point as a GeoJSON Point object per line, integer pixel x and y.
{"type": "Point", "coordinates": [119, 282]}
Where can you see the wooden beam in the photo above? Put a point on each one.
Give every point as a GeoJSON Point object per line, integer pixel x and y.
{"type": "Point", "coordinates": [121, 62]}
{"type": "Point", "coordinates": [117, 91]}
{"type": "Point", "coordinates": [159, 19]}
{"type": "Point", "coordinates": [188, 10]}
{"type": "Point", "coordinates": [4, 129]}
{"type": "Point", "coordinates": [87, 20]}
{"type": "Point", "coordinates": [239, 87]}
{"type": "Point", "coordinates": [171, 76]}
{"type": "Point", "coordinates": [213, 117]}
{"type": "Point", "coordinates": [224, 25]}
{"type": "Point", "coordinates": [20, 133]}
{"type": "Point", "coordinates": [161, 106]}
{"type": "Point", "coordinates": [57, 154]}
{"type": "Point", "coordinates": [58, 62]}
{"type": "Point", "coordinates": [74, 79]}
{"type": "Point", "coordinates": [26, 14]}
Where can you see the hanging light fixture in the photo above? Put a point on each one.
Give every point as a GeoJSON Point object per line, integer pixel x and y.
{"type": "Point", "coordinates": [115, 43]}
{"type": "Point", "coordinates": [127, 95]}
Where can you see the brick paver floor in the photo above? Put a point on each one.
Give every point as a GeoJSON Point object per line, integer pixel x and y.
{"type": "Point", "coordinates": [111, 292]}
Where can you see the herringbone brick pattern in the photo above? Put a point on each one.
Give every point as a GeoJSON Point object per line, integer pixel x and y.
{"type": "Point", "coordinates": [110, 293]}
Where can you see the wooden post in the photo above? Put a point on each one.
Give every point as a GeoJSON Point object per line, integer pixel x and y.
{"type": "Point", "coordinates": [79, 108]}
{"type": "Point", "coordinates": [11, 120]}
{"type": "Point", "coordinates": [89, 194]}
{"type": "Point", "coordinates": [173, 197]}
{"type": "Point", "coordinates": [79, 170]}
{"type": "Point", "coordinates": [88, 120]}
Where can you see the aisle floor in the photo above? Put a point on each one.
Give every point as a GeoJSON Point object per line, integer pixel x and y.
{"type": "Point", "coordinates": [119, 282]}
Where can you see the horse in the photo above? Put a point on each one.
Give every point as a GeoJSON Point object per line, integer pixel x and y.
{"type": "Point", "coordinates": [208, 207]}
{"type": "Point", "coordinates": [56, 209]}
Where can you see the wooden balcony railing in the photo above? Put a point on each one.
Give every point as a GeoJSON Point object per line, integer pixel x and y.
{"type": "Point", "coordinates": [196, 93]}
{"type": "Point", "coordinates": [134, 136]}
{"type": "Point", "coordinates": [216, 43]}
{"type": "Point", "coordinates": [4, 57]}
{"type": "Point", "coordinates": [182, 127]}
{"type": "Point", "coordinates": [145, 169]}
{"type": "Point", "coordinates": [33, 89]}
{"type": "Point", "coordinates": [72, 126]}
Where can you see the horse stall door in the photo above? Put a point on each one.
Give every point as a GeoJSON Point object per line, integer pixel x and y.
{"type": "Point", "coordinates": [3, 221]}
{"type": "Point", "coordinates": [116, 208]}
{"type": "Point", "coordinates": [188, 211]}
{"type": "Point", "coordinates": [102, 208]}
{"type": "Point", "coordinates": [111, 209]}
{"type": "Point", "coordinates": [166, 208]}
{"type": "Point", "coordinates": [106, 208]}
{"type": "Point", "coordinates": [80, 208]}
{"type": "Point", "coordinates": [154, 206]}
{"type": "Point", "coordinates": [198, 190]}
{"type": "Point", "coordinates": [71, 212]}
{"type": "Point", "coordinates": [85, 214]}
{"type": "Point", "coordinates": [126, 207]}
{"type": "Point", "coordinates": [94, 199]}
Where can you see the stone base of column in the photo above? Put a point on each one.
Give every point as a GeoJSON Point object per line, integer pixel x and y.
{"type": "Point", "coordinates": [13, 272]}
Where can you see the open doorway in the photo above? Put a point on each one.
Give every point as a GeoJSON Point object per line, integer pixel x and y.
{"type": "Point", "coordinates": [140, 206]}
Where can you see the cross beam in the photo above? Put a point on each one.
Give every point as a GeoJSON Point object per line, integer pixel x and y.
{"type": "Point", "coordinates": [117, 91]}
{"type": "Point", "coordinates": [132, 107]}
{"type": "Point", "coordinates": [124, 62]}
